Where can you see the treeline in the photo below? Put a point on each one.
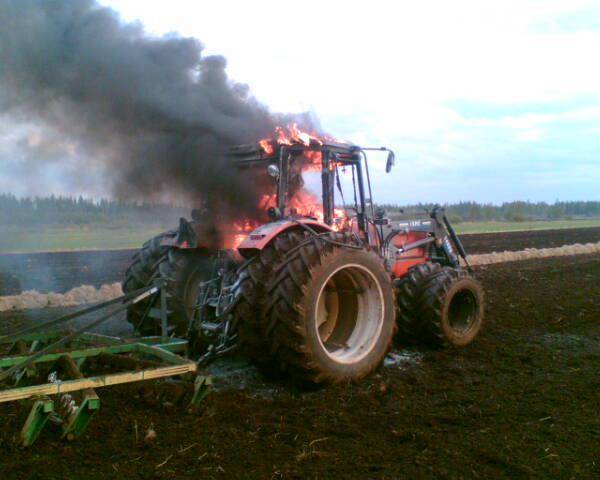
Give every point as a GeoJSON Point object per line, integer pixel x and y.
{"type": "Point", "coordinates": [518, 211]}
{"type": "Point", "coordinates": [56, 210]}
{"type": "Point", "coordinates": [75, 211]}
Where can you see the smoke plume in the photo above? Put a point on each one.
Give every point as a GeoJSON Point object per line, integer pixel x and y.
{"type": "Point", "coordinates": [155, 112]}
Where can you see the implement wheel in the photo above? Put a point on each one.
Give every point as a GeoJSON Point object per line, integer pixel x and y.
{"type": "Point", "coordinates": [329, 313]}
{"type": "Point", "coordinates": [450, 308]}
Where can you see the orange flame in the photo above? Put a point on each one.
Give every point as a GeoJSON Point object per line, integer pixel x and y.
{"type": "Point", "coordinates": [303, 203]}
{"type": "Point", "coordinates": [288, 135]}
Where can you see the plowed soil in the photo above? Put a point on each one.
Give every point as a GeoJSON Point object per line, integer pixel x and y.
{"type": "Point", "coordinates": [521, 402]}
{"type": "Point", "coordinates": [499, 242]}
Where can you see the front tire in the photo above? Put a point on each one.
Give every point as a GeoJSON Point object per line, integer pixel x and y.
{"type": "Point", "coordinates": [408, 289]}
{"type": "Point", "coordinates": [451, 308]}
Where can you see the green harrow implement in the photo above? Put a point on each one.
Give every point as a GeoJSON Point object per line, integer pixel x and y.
{"type": "Point", "coordinates": [57, 371]}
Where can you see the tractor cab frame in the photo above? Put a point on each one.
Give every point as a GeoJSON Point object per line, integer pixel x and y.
{"type": "Point", "coordinates": [281, 164]}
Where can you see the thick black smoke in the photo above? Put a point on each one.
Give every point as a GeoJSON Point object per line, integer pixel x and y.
{"type": "Point", "coordinates": [156, 112]}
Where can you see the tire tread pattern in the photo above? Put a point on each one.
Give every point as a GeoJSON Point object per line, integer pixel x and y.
{"type": "Point", "coordinates": [407, 290]}
{"type": "Point", "coordinates": [282, 319]}
{"type": "Point", "coordinates": [430, 304]}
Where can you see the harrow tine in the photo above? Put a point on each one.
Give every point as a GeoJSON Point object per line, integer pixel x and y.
{"type": "Point", "coordinates": [38, 416]}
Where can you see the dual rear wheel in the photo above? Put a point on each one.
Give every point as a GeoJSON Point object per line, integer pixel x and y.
{"type": "Point", "coordinates": [318, 309]}
{"type": "Point", "coordinates": [325, 315]}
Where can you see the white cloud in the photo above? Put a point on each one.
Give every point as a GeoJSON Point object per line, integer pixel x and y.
{"type": "Point", "coordinates": [530, 135]}
{"type": "Point", "coordinates": [326, 53]}
{"type": "Point", "coordinates": [383, 72]}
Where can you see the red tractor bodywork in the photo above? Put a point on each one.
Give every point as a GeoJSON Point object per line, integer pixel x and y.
{"type": "Point", "coordinates": [405, 260]}
{"type": "Point", "coordinates": [256, 240]}
{"type": "Point", "coordinates": [418, 241]}
{"type": "Point", "coordinates": [263, 235]}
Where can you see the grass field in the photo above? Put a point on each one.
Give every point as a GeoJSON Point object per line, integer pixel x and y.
{"type": "Point", "coordinates": [32, 239]}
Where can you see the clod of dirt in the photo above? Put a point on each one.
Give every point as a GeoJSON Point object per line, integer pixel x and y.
{"type": "Point", "coordinates": [150, 436]}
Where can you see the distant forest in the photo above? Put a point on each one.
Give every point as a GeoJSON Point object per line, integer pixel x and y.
{"type": "Point", "coordinates": [81, 211]}
{"type": "Point", "coordinates": [518, 211]}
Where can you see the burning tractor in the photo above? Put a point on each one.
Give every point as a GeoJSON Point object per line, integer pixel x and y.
{"type": "Point", "coordinates": [318, 289]}
{"type": "Point", "coordinates": [315, 289]}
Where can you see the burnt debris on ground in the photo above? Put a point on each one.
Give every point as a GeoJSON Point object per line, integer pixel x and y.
{"type": "Point", "coordinates": [520, 402]}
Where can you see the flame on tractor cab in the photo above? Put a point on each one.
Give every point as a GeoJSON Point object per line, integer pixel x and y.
{"type": "Point", "coordinates": [302, 202]}
{"type": "Point", "coordinates": [305, 204]}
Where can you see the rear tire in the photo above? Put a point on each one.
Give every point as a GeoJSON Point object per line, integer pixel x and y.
{"type": "Point", "coordinates": [329, 313]}
{"type": "Point", "coordinates": [139, 275]}
{"type": "Point", "coordinates": [249, 292]}
{"type": "Point", "coordinates": [183, 271]}
{"type": "Point", "coordinates": [450, 308]}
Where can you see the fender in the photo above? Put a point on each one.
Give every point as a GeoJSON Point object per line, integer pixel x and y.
{"type": "Point", "coordinates": [187, 236]}
{"type": "Point", "coordinates": [260, 238]}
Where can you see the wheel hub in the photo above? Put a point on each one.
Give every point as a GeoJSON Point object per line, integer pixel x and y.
{"type": "Point", "coordinates": [349, 313]}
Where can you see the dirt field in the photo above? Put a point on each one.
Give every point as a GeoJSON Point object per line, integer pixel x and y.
{"type": "Point", "coordinates": [60, 272]}
{"type": "Point", "coordinates": [498, 242]}
{"type": "Point", "coordinates": [522, 402]}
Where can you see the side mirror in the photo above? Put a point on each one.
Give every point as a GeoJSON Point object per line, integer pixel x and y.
{"type": "Point", "coordinates": [391, 160]}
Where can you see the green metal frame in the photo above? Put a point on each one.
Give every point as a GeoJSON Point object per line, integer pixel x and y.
{"type": "Point", "coordinates": [76, 401]}
{"type": "Point", "coordinates": [202, 387]}
{"type": "Point", "coordinates": [38, 416]}
{"type": "Point", "coordinates": [165, 356]}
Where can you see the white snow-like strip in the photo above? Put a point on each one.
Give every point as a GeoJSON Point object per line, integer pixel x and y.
{"type": "Point", "coordinates": [529, 253]}
{"type": "Point", "coordinates": [76, 296]}
{"type": "Point", "coordinates": [87, 294]}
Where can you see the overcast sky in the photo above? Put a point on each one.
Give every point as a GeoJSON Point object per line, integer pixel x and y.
{"type": "Point", "coordinates": [481, 100]}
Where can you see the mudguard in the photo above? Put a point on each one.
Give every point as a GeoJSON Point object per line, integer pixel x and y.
{"type": "Point", "coordinates": [187, 235]}
{"type": "Point", "coordinates": [260, 238]}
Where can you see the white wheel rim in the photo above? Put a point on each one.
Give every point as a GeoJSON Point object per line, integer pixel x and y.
{"type": "Point", "coordinates": [349, 313]}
